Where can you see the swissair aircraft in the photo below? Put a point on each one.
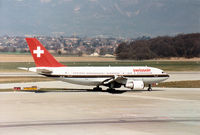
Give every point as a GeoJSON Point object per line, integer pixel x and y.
{"type": "Point", "coordinates": [133, 77]}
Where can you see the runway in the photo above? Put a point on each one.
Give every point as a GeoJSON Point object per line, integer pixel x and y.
{"type": "Point", "coordinates": [19, 74]}
{"type": "Point", "coordinates": [163, 111]}
{"type": "Point", "coordinates": [183, 76]}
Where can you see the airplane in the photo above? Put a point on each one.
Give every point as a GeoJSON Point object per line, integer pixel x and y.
{"type": "Point", "coordinates": [132, 77]}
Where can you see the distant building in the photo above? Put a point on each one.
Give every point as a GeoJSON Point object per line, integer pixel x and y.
{"type": "Point", "coordinates": [94, 54]}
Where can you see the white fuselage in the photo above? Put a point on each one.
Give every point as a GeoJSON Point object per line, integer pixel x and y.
{"type": "Point", "coordinates": [94, 76]}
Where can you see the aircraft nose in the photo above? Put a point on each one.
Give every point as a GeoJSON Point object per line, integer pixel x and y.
{"type": "Point", "coordinates": [165, 77]}
{"type": "Point", "coordinates": [165, 74]}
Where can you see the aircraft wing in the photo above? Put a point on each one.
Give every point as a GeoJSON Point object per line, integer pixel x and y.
{"type": "Point", "coordinates": [116, 78]}
{"type": "Point", "coordinates": [39, 71]}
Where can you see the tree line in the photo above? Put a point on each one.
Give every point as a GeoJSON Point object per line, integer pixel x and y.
{"type": "Point", "coordinates": [183, 45]}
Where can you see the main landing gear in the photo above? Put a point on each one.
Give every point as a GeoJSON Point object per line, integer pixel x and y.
{"type": "Point", "coordinates": [111, 90]}
{"type": "Point", "coordinates": [97, 88]}
{"type": "Point", "coordinates": [149, 88]}
{"type": "Point", "coordinates": [112, 87]}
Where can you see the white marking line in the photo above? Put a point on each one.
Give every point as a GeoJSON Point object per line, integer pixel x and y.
{"type": "Point", "coordinates": [151, 97]}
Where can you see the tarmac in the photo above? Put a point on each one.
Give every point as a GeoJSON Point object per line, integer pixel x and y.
{"type": "Point", "coordinates": [164, 111]}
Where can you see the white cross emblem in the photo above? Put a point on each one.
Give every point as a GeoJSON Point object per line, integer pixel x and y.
{"type": "Point", "coordinates": [38, 51]}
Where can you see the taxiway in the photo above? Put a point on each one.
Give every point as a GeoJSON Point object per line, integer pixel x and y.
{"type": "Point", "coordinates": [164, 111]}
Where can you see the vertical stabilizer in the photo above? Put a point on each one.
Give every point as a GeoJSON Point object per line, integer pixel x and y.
{"type": "Point", "coordinates": [40, 55]}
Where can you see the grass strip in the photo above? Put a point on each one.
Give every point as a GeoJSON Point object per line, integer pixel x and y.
{"type": "Point", "coordinates": [180, 84]}
{"type": "Point", "coordinates": [165, 65]}
{"type": "Point", "coordinates": [23, 79]}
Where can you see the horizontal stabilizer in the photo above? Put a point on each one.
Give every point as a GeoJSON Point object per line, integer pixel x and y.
{"type": "Point", "coordinates": [23, 68]}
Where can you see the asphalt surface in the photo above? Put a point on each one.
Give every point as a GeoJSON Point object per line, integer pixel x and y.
{"type": "Point", "coordinates": [161, 112]}
{"type": "Point", "coordinates": [183, 76]}
{"type": "Point", "coordinates": [20, 74]}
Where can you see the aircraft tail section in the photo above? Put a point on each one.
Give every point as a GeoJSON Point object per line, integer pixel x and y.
{"type": "Point", "coordinates": [40, 55]}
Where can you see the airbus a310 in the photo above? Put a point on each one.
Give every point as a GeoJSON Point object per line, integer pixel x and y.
{"type": "Point", "coordinates": [132, 77]}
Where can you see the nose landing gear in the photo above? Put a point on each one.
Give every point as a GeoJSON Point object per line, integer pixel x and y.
{"type": "Point", "coordinates": [149, 88]}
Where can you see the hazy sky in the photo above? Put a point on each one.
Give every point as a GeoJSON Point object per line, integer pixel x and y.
{"type": "Point", "coordinates": [125, 18]}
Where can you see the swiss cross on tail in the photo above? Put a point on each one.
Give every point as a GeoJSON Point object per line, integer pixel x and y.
{"type": "Point", "coordinates": [38, 51]}
{"type": "Point", "coordinates": [40, 55]}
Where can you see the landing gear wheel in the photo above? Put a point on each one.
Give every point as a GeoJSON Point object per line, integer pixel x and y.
{"type": "Point", "coordinates": [149, 89]}
{"type": "Point", "coordinates": [111, 90]}
{"type": "Point", "coordinates": [97, 88]}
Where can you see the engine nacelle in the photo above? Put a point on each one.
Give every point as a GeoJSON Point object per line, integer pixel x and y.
{"type": "Point", "coordinates": [135, 84]}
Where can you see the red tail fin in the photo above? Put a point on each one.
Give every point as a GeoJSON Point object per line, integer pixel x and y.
{"type": "Point", "coordinates": [40, 55]}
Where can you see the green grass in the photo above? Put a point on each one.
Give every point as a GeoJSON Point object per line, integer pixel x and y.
{"type": "Point", "coordinates": [23, 79]}
{"type": "Point", "coordinates": [6, 90]}
{"type": "Point", "coordinates": [13, 66]}
{"type": "Point", "coordinates": [165, 65]}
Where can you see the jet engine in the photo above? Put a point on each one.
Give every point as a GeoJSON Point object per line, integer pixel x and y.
{"type": "Point", "coordinates": [134, 84]}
